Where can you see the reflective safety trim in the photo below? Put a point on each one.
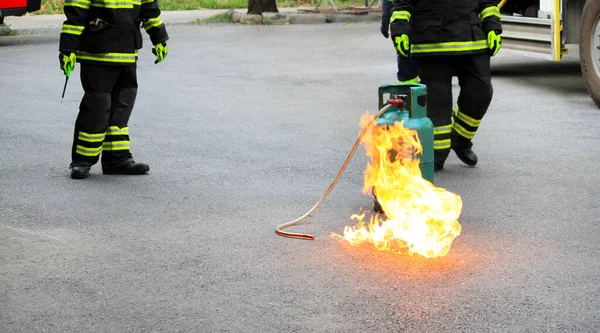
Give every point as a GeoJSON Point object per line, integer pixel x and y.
{"type": "Point", "coordinates": [490, 11]}
{"type": "Point", "coordinates": [108, 57]}
{"type": "Point", "coordinates": [116, 145]}
{"type": "Point", "coordinates": [442, 130]}
{"type": "Point", "coordinates": [400, 15]}
{"type": "Point", "coordinates": [441, 144]}
{"type": "Point", "coordinates": [153, 22]}
{"type": "Point", "coordinates": [86, 151]}
{"type": "Point", "coordinates": [85, 4]}
{"type": "Point", "coordinates": [112, 4]}
{"type": "Point", "coordinates": [72, 29]}
{"type": "Point", "coordinates": [91, 137]}
{"type": "Point", "coordinates": [466, 119]}
{"type": "Point", "coordinates": [116, 130]}
{"type": "Point", "coordinates": [450, 47]}
{"type": "Point", "coordinates": [137, 3]}
{"type": "Point", "coordinates": [147, 1]}
{"type": "Point", "coordinates": [462, 131]}
{"type": "Point", "coordinates": [413, 80]}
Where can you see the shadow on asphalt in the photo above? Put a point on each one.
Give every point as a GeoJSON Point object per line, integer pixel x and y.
{"type": "Point", "coordinates": [562, 77]}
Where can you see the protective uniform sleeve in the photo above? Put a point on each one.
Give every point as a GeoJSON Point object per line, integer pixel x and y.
{"type": "Point", "coordinates": [490, 16]}
{"type": "Point", "coordinates": [72, 28]}
{"type": "Point", "coordinates": [401, 13]}
{"type": "Point", "coordinates": [386, 8]}
{"type": "Point", "coordinates": [153, 24]}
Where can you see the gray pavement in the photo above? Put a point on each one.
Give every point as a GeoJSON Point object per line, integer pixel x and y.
{"type": "Point", "coordinates": [244, 128]}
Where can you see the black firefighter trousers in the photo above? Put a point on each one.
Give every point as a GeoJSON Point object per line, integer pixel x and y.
{"type": "Point", "coordinates": [101, 125]}
{"type": "Point", "coordinates": [456, 129]}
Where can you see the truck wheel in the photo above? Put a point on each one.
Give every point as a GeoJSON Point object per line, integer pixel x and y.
{"type": "Point", "coordinates": [589, 48]}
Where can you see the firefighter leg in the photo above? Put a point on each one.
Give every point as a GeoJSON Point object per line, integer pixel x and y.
{"type": "Point", "coordinates": [436, 73]}
{"type": "Point", "coordinates": [407, 69]}
{"type": "Point", "coordinates": [92, 120]}
{"type": "Point", "coordinates": [116, 154]}
{"type": "Point", "coordinates": [473, 101]}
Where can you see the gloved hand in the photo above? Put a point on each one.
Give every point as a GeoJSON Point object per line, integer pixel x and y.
{"type": "Point", "coordinates": [160, 51]}
{"type": "Point", "coordinates": [385, 26]}
{"type": "Point", "coordinates": [494, 42]}
{"type": "Point", "coordinates": [402, 44]}
{"type": "Point", "coordinates": [67, 62]}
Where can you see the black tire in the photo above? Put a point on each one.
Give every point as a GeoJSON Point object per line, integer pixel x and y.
{"type": "Point", "coordinates": [590, 61]}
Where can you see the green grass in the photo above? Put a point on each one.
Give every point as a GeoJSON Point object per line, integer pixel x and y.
{"type": "Point", "coordinates": [219, 18]}
{"type": "Point", "coordinates": [55, 6]}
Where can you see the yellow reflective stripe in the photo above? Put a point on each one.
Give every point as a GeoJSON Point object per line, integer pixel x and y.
{"type": "Point", "coordinates": [450, 47]}
{"type": "Point", "coordinates": [153, 22]}
{"type": "Point", "coordinates": [466, 119]}
{"type": "Point", "coordinates": [462, 131]}
{"type": "Point", "coordinates": [108, 57]}
{"type": "Point", "coordinates": [85, 151]}
{"type": "Point", "coordinates": [85, 4]}
{"type": "Point", "coordinates": [72, 29]}
{"type": "Point", "coordinates": [116, 130]}
{"type": "Point", "coordinates": [490, 11]}
{"type": "Point", "coordinates": [91, 137]}
{"type": "Point", "coordinates": [441, 144]}
{"type": "Point", "coordinates": [413, 80]}
{"type": "Point", "coordinates": [137, 3]}
{"type": "Point", "coordinates": [400, 15]}
{"type": "Point", "coordinates": [112, 4]}
{"type": "Point", "coordinates": [147, 1]}
{"type": "Point", "coordinates": [116, 145]}
{"type": "Point", "coordinates": [442, 129]}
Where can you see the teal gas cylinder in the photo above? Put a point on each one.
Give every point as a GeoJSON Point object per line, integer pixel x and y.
{"type": "Point", "coordinates": [414, 115]}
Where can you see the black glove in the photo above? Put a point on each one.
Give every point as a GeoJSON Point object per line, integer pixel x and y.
{"type": "Point", "coordinates": [385, 26]}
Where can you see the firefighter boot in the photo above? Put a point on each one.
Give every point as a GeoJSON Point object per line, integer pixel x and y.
{"type": "Point", "coordinates": [439, 158]}
{"type": "Point", "coordinates": [129, 167]}
{"type": "Point", "coordinates": [462, 148]}
{"type": "Point", "coordinates": [80, 171]}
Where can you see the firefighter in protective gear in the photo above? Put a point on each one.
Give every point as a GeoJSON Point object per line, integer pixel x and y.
{"type": "Point", "coordinates": [446, 38]}
{"type": "Point", "coordinates": [407, 67]}
{"type": "Point", "coordinates": [104, 37]}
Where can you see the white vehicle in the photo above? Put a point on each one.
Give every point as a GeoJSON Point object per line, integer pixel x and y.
{"type": "Point", "coordinates": [547, 26]}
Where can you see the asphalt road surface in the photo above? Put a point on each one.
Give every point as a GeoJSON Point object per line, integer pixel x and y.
{"type": "Point", "coordinates": [244, 128]}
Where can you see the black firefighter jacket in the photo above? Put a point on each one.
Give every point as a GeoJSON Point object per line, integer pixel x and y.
{"type": "Point", "coordinates": [108, 31]}
{"type": "Point", "coordinates": [445, 27]}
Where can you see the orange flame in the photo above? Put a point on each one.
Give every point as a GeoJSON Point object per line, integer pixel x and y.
{"type": "Point", "coordinates": [421, 218]}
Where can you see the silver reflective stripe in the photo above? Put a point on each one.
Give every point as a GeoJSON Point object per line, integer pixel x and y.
{"type": "Point", "coordinates": [442, 129]}
{"type": "Point", "coordinates": [490, 11]}
{"type": "Point", "coordinates": [108, 57]}
{"type": "Point", "coordinates": [400, 15]}
{"type": "Point", "coordinates": [115, 130]}
{"type": "Point", "coordinates": [116, 145]}
{"type": "Point", "coordinates": [85, 151]}
{"type": "Point", "coordinates": [449, 47]}
{"type": "Point", "coordinates": [89, 137]}
{"type": "Point", "coordinates": [72, 29]}
{"type": "Point", "coordinates": [85, 4]}
{"type": "Point", "coordinates": [463, 132]}
{"type": "Point", "coordinates": [466, 119]}
{"type": "Point", "coordinates": [112, 4]}
{"type": "Point", "coordinates": [153, 22]}
{"type": "Point", "coordinates": [441, 144]}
